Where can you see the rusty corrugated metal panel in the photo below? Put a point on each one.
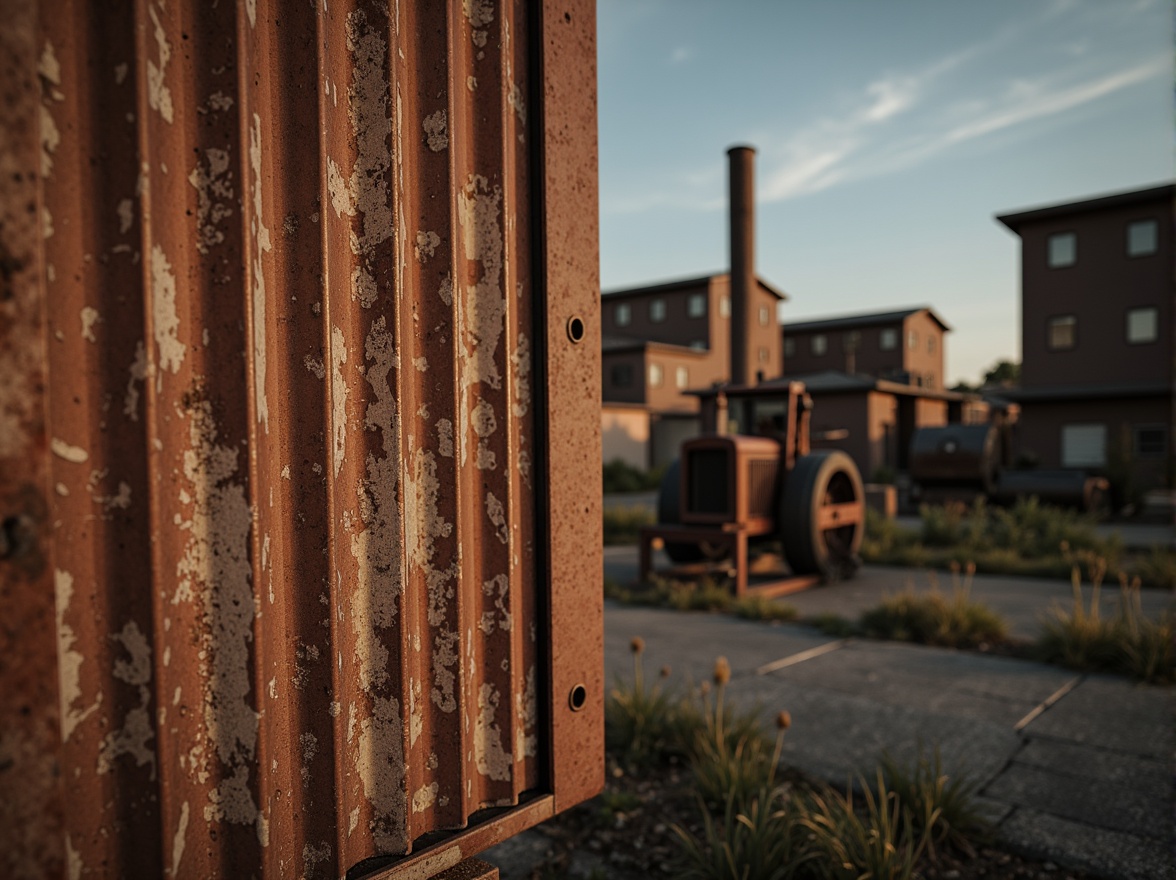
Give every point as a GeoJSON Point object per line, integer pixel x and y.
{"type": "Point", "coordinates": [312, 577]}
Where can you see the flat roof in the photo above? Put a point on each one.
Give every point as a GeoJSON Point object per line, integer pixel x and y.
{"type": "Point", "coordinates": [1108, 391]}
{"type": "Point", "coordinates": [666, 286]}
{"type": "Point", "coordinates": [1017, 219]}
{"type": "Point", "coordinates": [613, 344]}
{"type": "Point", "coordinates": [866, 319]}
{"type": "Point", "coordinates": [834, 382]}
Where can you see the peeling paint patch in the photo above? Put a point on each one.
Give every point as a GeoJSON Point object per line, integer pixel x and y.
{"type": "Point", "coordinates": [126, 215]}
{"type": "Point", "coordinates": [312, 855]}
{"type": "Point", "coordinates": [72, 454]}
{"type": "Point", "coordinates": [445, 437]}
{"type": "Point", "coordinates": [139, 371]}
{"type": "Point", "coordinates": [489, 756]}
{"type": "Point", "coordinates": [424, 797]}
{"type": "Point", "coordinates": [50, 140]}
{"type": "Point", "coordinates": [218, 102]}
{"type": "Point", "coordinates": [166, 320]}
{"type": "Point", "coordinates": [338, 398]}
{"type": "Point", "coordinates": [515, 99]}
{"type": "Point", "coordinates": [48, 66]}
{"type": "Point", "coordinates": [436, 128]}
{"type": "Point", "coordinates": [215, 571]}
{"type": "Point", "coordinates": [497, 515]}
{"type": "Point", "coordinates": [479, 12]}
{"type": "Point", "coordinates": [90, 317]}
{"type": "Point", "coordinates": [315, 366]}
{"type": "Point", "coordinates": [527, 711]}
{"type": "Point", "coordinates": [421, 363]}
{"type": "Point", "coordinates": [178, 840]}
{"type": "Point", "coordinates": [426, 245]}
{"type": "Point", "coordinates": [69, 661]}
{"type": "Point", "coordinates": [352, 821]}
{"type": "Point", "coordinates": [251, 11]}
{"type": "Point", "coordinates": [484, 304]}
{"type": "Point", "coordinates": [158, 94]}
{"type": "Point", "coordinates": [380, 762]}
{"type": "Point", "coordinates": [446, 290]}
{"type": "Point", "coordinates": [214, 195]}
{"type": "Point", "coordinates": [136, 733]}
{"type": "Point", "coordinates": [120, 73]}
{"type": "Point", "coordinates": [262, 246]}
{"type": "Point", "coordinates": [73, 860]}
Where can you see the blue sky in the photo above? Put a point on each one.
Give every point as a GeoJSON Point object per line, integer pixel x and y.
{"type": "Point", "coordinates": [889, 132]}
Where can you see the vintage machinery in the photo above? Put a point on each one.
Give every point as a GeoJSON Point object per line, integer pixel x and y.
{"type": "Point", "coordinates": [753, 479]}
{"type": "Point", "coordinates": [963, 462]}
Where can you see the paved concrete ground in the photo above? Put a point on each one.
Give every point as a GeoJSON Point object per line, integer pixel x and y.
{"type": "Point", "coordinates": [1021, 601]}
{"type": "Point", "coordinates": [1074, 769]}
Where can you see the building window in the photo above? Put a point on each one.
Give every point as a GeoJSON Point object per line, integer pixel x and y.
{"type": "Point", "coordinates": [657, 310]}
{"type": "Point", "coordinates": [1143, 325]}
{"type": "Point", "coordinates": [888, 339]}
{"type": "Point", "coordinates": [622, 314]}
{"type": "Point", "coordinates": [763, 316]}
{"type": "Point", "coordinates": [930, 345]}
{"type": "Point", "coordinates": [696, 305]}
{"type": "Point", "coordinates": [682, 377]}
{"type": "Point", "coordinates": [1062, 333]}
{"type": "Point", "coordinates": [1084, 445]}
{"type": "Point", "coordinates": [655, 375]}
{"type": "Point", "coordinates": [724, 306]}
{"type": "Point", "coordinates": [912, 339]}
{"type": "Point", "coordinates": [763, 355]}
{"type": "Point", "coordinates": [789, 346]}
{"type": "Point", "coordinates": [698, 344]}
{"type": "Point", "coordinates": [1063, 249]}
{"type": "Point", "coordinates": [1142, 238]}
{"type": "Point", "coordinates": [819, 344]}
{"type": "Point", "coordinates": [1151, 441]}
{"type": "Point", "coordinates": [622, 375]}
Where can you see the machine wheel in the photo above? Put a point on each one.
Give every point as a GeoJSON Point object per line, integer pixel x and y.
{"type": "Point", "coordinates": [668, 514]}
{"type": "Point", "coordinates": [822, 515]}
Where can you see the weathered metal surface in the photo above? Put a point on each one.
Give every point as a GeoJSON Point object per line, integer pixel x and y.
{"type": "Point", "coordinates": [311, 572]}
{"type": "Point", "coordinates": [741, 185]}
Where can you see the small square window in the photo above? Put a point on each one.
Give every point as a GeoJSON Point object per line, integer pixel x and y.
{"type": "Point", "coordinates": [657, 310]}
{"type": "Point", "coordinates": [912, 339]}
{"type": "Point", "coordinates": [1062, 333]}
{"type": "Point", "coordinates": [888, 339]}
{"type": "Point", "coordinates": [724, 306]}
{"type": "Point", "coordinates": [1084, 445]}
{"type": "Point", "coordinates": [1142, 238]}
{"type": "Point", "coordinates": [763, 316]}
{"type": "Point", "coordinates": [696, 305]}
{"type": "Point", "coordinates": [819, 344]}
{"type": "Point", "coordinates": [789, 346]}
{"type": "Point", "coordinates": [851, 341]}
{"type": "Point", "coordinates": [1143, 325]}
{"type": "Point", "coordinates": [1063, 249]}
{"type": "Point", "coordinates": [682, 377]}
{"type": "Point", "coordinates": [1151, 441]}
{"type": "Point", "coordinates": [763, 355]}
{"type": "Point", "coordinates": [698, 344]}
{"type": "Point", "coordinates": [930, 345]}
{"type": "Point", "coordinates": [621, 375]}
{"type": "Point", "coordinates": [655, 375]}
{"type": "Point", "coordinates": [623, 314]}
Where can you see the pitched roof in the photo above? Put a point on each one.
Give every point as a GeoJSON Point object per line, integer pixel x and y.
{"type": "Point", "coordinates": [612, 344]}
{"type": "Point", "coordinates": [666, 286]}
{"type": "Point", "coordinates": [1046, 212]}
{"type": "Point", "coordinates": [869, 319]}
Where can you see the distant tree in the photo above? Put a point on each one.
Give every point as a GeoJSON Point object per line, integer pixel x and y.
{"type": "Point", "coordinates": [1003, 373]}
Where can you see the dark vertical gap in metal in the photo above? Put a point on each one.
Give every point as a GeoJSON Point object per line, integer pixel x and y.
{"type": "Point", "coordinates": [540, 388]}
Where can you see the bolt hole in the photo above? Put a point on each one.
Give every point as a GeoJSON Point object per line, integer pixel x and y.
{"type": "Point", "coordinates": [575, 329]}
{"type": "Point", "coordinates": [578, 698]}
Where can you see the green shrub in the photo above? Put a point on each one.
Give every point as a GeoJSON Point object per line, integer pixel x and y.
{"type": "Point", "coordinates": [882, 843]}
{"type": "Point", "coordinates": [1127, 642]}
{"type": "Point", "coordinates": [644, 724]}
{"type": "Point", "coordinates": [758, 840]}
{"type": "Point", "coordinates": [934, 619]}
{"type": "Point", "coordinates": [927, 792]}
{"type": "Point", "coordinates": [619, 476]}
{"type": "Point", "coordinates": [762, 608]}
{"type": "Point", "coordinates": [833, 624]}
{"type": "Point", "coordinates": [623, 524]}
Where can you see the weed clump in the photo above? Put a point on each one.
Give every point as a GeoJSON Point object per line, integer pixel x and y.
{"type": "Point", "coordinates": [1126, 642]}
{"type": "Point", "coordinates": [935, 619]}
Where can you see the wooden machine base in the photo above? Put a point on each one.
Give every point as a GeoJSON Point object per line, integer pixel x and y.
{"type": "Point", "coordinates": [735, 541]}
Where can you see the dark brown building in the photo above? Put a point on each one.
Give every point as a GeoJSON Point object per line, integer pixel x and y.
{"type": "Point", "coordinates": [1096, 335]}
{"type": "Point", "coordinates": [904, 346]}
{"type": "Point", "coordinates": [661, 340]}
